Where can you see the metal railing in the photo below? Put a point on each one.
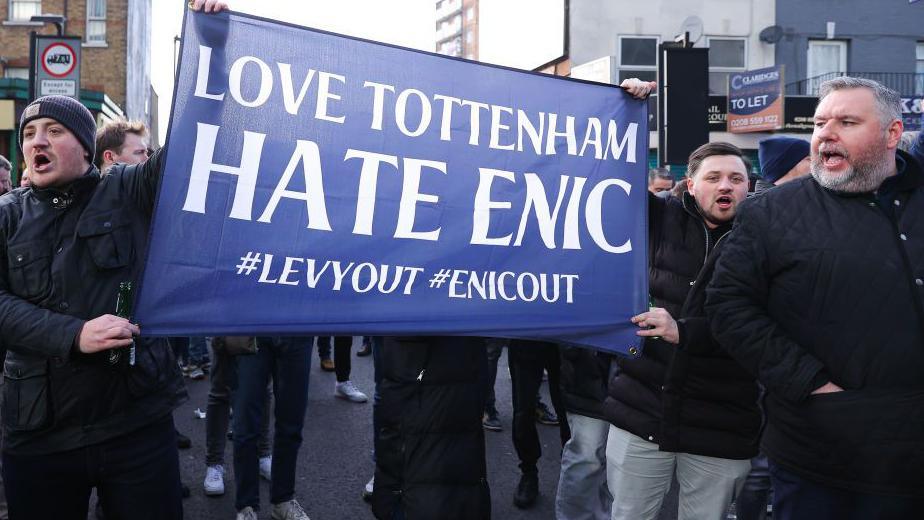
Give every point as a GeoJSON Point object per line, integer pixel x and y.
{"type": "Point", "coordinates": [905, 83]}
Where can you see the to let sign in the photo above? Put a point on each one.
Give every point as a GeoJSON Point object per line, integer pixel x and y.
{"type": "Point", "coordinates": [755, 100]}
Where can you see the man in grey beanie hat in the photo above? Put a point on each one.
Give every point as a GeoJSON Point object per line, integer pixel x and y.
{"type": "Point", "coordinates": [82, 411]}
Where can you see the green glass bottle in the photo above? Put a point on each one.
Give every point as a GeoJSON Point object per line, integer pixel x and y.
{"type": "Point", "coordinates": [124, 310]}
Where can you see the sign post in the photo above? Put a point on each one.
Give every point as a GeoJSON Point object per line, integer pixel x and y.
{"type": "Point", "coordinates": [55, 66]}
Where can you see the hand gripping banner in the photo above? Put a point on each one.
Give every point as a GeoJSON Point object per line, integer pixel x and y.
{"type": "Point", "coordinates": [316, 183]}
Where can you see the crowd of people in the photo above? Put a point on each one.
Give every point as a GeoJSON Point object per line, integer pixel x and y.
{"type": "Point", "coordinates": [782, 360]}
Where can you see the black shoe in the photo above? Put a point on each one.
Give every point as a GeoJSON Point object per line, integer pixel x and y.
{"type": "Point", "coordinates": [184, 490]}
{"type": "Point", "coordinates": [490, 421]}
{"type": "Point", "coordinates": [544, 415]}
{"type": "Point", "coordinates": [182, 441]}
{"type": "Point", "coordinates": [527, 491]}
{"type": "Point", "coordinates": [365, 350]}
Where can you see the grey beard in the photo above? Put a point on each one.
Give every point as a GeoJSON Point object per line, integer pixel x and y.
{"type": "Point", "coordinates": [864, 176]}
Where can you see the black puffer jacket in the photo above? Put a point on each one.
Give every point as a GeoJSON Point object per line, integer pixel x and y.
{"type": "Point", "coordinates": [710, 401]}
{"type": "Point", "coordinates": [678, 243]}
{"type": "Point", "coordinates": [430, 455]}
{"type": "Point", "coordinates": [815, 286]}
{"type": "Point", "coordinates": [584, 374]}
{"type": "Point", "coordinates": [62, 257]}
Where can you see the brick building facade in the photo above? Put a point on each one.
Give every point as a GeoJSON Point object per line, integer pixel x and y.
{"type": "Point", "coordinates": [115, 57]}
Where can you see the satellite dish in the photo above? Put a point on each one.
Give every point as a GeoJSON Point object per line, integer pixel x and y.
{"type": "Point", "coordinates": [771, 34]}
{"type": "Point", "coordinates": [694, 26]}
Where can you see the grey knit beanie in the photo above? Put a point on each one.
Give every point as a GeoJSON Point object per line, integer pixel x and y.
{"type": "Point", "coordinates": [67, 111]}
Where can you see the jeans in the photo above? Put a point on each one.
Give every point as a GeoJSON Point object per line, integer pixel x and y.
{"type": "Point", "coordinates": [218, 411]}
{"type": "Point", "coordinates": [582, 490]}
{"type": "Point", "coordinates": [495, 347]}
{"type": "Point", "coordinates": [190, 350]}
{"type": "Point", "coordinates": [751, 503]}
{"type": "Point", "coordinates": [795, 498]}
{"type": "Point", "coordinates": [639, 475]}
{"type": "Point", "coordinates": [287, 361]}
{"type": "Point", "coordinates": [136, 476]}
{"type": "Point", "coordinates": [527, 359]}
{"type": "Point", "coordinates": [342, 362]}
{"type": "Point", "coordinates": [199, 350]}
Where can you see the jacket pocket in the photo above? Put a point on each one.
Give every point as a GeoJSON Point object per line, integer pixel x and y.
{"type": "Point", "coordinates": [108, 239]}
{"type": "Point", "coordinates": [26, 397]}
{"type": "Point", "coordinates": [30, 270]}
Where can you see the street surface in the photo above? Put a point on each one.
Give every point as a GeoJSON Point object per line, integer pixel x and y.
{"type": "Point", "coordinates": [335, 459]}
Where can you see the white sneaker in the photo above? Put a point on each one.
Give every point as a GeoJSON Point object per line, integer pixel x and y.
{"type": "Point", "coordinates": [214, 483]}
{"type": "Point", "coordinates": [368, 489]}
{"type": "Point", "coordinates": [266, 467]}
{"type": "Point", "coordinates": [247, 514]}
{"type": "Point", "coordinates": [346, 390]}
{"type": "Point", "coordinates": [290, 510]}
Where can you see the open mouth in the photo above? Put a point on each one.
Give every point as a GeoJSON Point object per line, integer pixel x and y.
{"type": "Point", "coordinates": [40, 161]}
{"type": "Point", "coordinates": [833, 159]}
{"type": "Point", "coordinates": [724, 202]}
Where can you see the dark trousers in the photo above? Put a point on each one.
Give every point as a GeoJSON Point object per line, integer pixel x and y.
{"type": "Point", "coordinates": [218, 411]}
{"type": "Point", "coordinates": [527, 360]}
{"type": "Point", "coordinates": [795, 498]}
{"type": "Point", "coordinates": [287, 362]}
{"type": "Point", "coordinates": [494, 347]}
{"type": "Point", "coordinates": [751, 502]}
{"type": "Point", "coordinates": [136, 476]}
{"type": "Point", "coordinates": [342, 362]}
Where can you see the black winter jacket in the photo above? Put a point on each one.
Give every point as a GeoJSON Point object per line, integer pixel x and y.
{"type": "Point", "coordinates": [710, 401]}
{"type": "Point", "coordinates": [62, 257]}
{"type": "Point", "coordinates": [816, 286]}
{"type": "Point", "coordinates": [430, 454]}
{"type": "Point", "coordinates": [678, 241]}
{"type": "Point", "coordinates": [584, 374]}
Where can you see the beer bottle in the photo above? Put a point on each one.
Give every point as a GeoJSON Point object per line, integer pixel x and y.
{"type": "Point", "coordinates": [124, 310]}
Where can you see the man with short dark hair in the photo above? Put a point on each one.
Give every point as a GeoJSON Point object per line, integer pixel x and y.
{"type": "Point", "coordinates": [659, 179]}
{"type": "Point", "coordinates": [683, 407]}
{"type": "Point", "coordinates": [820, 294]}
{"type": "Point", "coordinates": [121, 141]}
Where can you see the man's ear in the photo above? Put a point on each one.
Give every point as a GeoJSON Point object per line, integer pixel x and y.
{"type": "Point", "coordinates": [894, 133]}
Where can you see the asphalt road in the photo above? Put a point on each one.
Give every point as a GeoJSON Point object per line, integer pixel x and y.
{"type": "Point", "coordinates": [335, 459]}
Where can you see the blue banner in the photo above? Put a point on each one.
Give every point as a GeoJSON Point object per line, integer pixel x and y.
{"type": "Point", "coordinates": [316, 183]}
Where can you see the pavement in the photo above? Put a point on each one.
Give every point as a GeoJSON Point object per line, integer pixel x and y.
{"type": "Point", "coordinates": [335, 460]}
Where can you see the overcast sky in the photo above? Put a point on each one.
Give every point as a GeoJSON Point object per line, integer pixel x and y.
{"type": "Point", "coordinates": [410, 23]}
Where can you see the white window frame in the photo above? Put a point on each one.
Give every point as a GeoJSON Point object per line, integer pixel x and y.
{"type": "Point", "coordinates": [657, 40]}
{"type": "Point", "coordinates": [729, 69]}
{"type": "Point", "coordinates": [9, 13]}
{"type": "Point", "coordinates": [813, 85]}
{"type": "Point", "coordinates": [96, 43]}
{"type": "Point", "coordinates": [919, 67]}
{"type": "Point", "coordinates": [620, 67]}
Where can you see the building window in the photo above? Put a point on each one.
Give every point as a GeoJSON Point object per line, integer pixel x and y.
{"type": "Point", "coordinates": [826, 59]}
{"type": "Point", "coordinates": [468, 37]}
{"type": "Point", "coordinates": [470, 14]}
{"type": "Point", "coordinates": [23, 10]}
{"type": "Point", "coordinates": [96, 21]}
{"type": "Point", "coordinates": [16, 72]}
{"type": "Point", "coordinates": [919, 69]}
{"type": "Point", "coordinates": [725, 55]}
{"type": "Point", "coordinates": [638, 58]}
